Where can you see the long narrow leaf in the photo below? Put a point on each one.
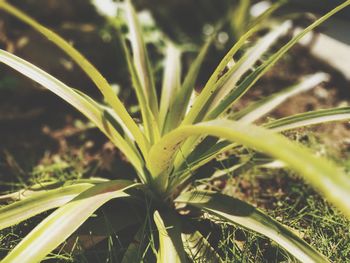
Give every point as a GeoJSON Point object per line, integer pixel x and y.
{"type": "Point", "coordinates": [44, 187]}
{"type": "Point", "coordinates": [134, 250]}
{"type": "Point", "coordinates": [249, 81]}
{"type": "Point", "coordinates": [248, 61]}
{"type": "Point", "coordinates": [214, 92]}
{"type": "Point", "coordinates": [197, 159]}
{"type": "Point", "coordinates": [209, 88]}
{"type": "Point", "coordinates": [171, 248]}
{"type": "Point", "coordinates": [56, 228]}
{"type": "Point", "coordinates": [80, 101]}
{"type": "Point", "coordinates": [241, 17]}
{"type": "Point", "coordinates": [88, 68]}
{"type": "Point", "coordinates": [141, 60]}
{"type": "Point", "coordinates": [320, 173]}
{"type": "Point", "coordinates": [257, 110]}
{"type": "Point", "coordinates": [238, 212]}
{"type": "Point", "coordinates": [149, 121]}
{"type": "Point", "coordinates": [309, 118]}
{"type": "Point", "coordinates": [171, 81]}
{"type": "Point", "coordinates": [182, 99]}
{"type": "Point", "coordinates": [19, 211]}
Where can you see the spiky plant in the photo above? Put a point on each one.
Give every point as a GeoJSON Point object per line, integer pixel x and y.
{"type": "Point", "coordinates": [179, 133]}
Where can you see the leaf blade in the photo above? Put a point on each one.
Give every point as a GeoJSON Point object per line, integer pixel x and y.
{"type": "Point", "coordinates": [79, 100]}
{"type": "Point", "coordinates": [260, 108]}
{"type": "Point", "coordinates": [309, 118]}
{"type": "Point", "coordinates": [19, 211]}
{"type": "Point", "coordinates": [87, 67]}
{"type": "Point", "coordinates": [141, 59]}
{"type": "Point", "coordinates": [243, 214]}
{"type": "Point", "coordinates": [249, 81]}
{"type": "Point", "coordinates": [64, 221]}
{"type": "Point", "coordinates": [170, 244]}
{"type": "Point", "coordinates": [320, 173]}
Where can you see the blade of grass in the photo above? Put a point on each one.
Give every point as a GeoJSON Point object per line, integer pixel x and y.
{"type": "Point", "coordinates": [322, 174]}
{"type": "Point", "coordinates": [108, 93]}
{"type": "Point", "coordinates": [133, 252]}
{"type": "Point", "coordinates": [56, 228]}
{"type": "Point", "coordinates": [238, 212]}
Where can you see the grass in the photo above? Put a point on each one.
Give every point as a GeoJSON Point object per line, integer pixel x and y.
{"type": "Point", "coordinates": [279, 192]}
{"type": "Point", "coordinates": [284, 196]}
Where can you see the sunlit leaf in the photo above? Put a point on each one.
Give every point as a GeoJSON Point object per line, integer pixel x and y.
{"type": "Point", "coordinates": [171, 81]}
{"type": "Point", "coordinates": [171, 248]}
{"type": "Point", "coordinates": [320, 173]}
{"type": "Point", "coordinates": [37, 203]}
{"type": "Point", "coordinates": [253, 77]}
{"type": "Point", "coordinates": [309, 118]}
{"type": "Point", "coordinates": [78, 100]}
{"type": "Point", "coordinates": [57, 227]}
{"type": "Point", "coordinates": [259, 109]}
{"type": "Point", "coordinates": [87, 67]}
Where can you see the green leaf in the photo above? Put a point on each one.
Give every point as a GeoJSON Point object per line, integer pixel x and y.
{"type": "Point", "coordinates": [171, 81]}
{"type": "Point", "coordinates": [214, 94]}
{"type": "Point", "coordinates": [57, 227]}
{"type": "Point", "coordinates": [37, 203]}
{"type": "Point", "coordinates": [95, 113]}
{"type": "Point", "coordinates": [171, 248]}
{"type": "Point", "coordinates": [88, 68]}
{"type": "Point", "coordinates": [149, 122]}
{"type": "Point", "coordinates": [182, 98]}
{"type": "Point", "coordinates": [322, 174]}
{"type": "Point", "coordinates": [260, 108]}
{"type": "Point", "coordinates": [237, 212]}
{"type": "Point", "coordinates": [198, 159]}
{"type": "Point", "coordinates": [227, 83]}
{"type": "Point", "coordinates": [253, 77]}
{"type": "Point", "coordinates": [44, 187]}
{"type": "Point", "coordinates": [309, 118]}
{"type": "Point", "coordinates": [141, 60]}
{"type": "Point", "coordinates": [210, 87]}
